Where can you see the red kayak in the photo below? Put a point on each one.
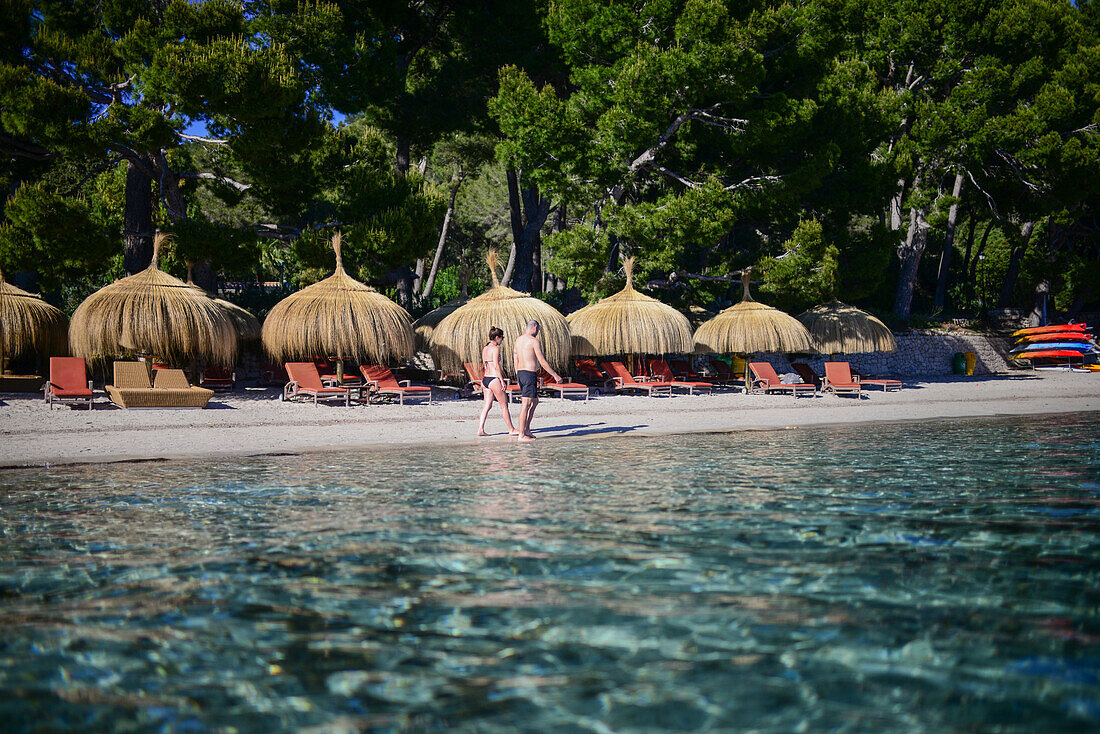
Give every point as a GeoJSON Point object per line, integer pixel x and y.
{"type": "Point", "coordinates": [1050, 329]}
{"type": "Point", "coordinates": [1055, 336]}
{"type": "Point", "coordinates": [1049, 353]}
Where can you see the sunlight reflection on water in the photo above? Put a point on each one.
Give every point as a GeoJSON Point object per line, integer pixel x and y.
{"type": "Point", "coordinates": [904, 577]}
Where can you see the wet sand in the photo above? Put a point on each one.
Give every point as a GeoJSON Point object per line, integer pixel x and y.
{"type": "Point", "coordinates": [252, 420]}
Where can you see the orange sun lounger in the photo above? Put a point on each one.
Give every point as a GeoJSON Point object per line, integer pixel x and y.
{"type": "Point", "coordinates": [661, 370]}
{"type": "Point", "coordinates": [382, 382]}
{"type": "Point", "coordinates": [839, 380]}
{"type": "Point", "coordinates": [766, 380]}
{"type": "Point", "coordinates": [625, 381]}
{"type": "Point", "coordinates": [305, 381]}
{"type": "Point", "coordinates": [68, 382]}
{"type": "Point", "coordinates": [563, 389]}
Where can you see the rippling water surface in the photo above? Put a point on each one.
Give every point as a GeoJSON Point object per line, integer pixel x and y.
{"type": "Point", "coordinates": [922, 577]}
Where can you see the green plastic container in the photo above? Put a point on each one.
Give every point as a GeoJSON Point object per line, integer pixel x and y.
{"type": "Point", "coordinates": [958, 363]}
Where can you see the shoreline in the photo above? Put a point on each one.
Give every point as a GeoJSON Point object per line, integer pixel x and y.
{"type": "Point", "coordinates": [251, 422]}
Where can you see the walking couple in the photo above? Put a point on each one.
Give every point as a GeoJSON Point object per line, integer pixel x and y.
{"type": "Point", "coordinates": [527, 356]}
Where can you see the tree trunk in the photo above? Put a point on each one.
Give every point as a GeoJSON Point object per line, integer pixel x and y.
{"type": "Point", "coordinates": [1038, 315]}
{"type": "Point", "coordinates": [972, 276]}
{"type": "Point", "coordinates": [137, 218]}
{"type": "Point", "coordinates": [909, 254]}
{"type": "Point", "coordinates": [204, 276]}
{"type": "Point", "coordinates": [1015, 260]}
{"type": "Point", "coordinates": [536, 208]}
{"type": "Point", "coordinates": [948, 244]}
{"type": "Point", "coordinates": [430, 282]}
{"type": "Point", "coordinates": [551, 282]}
{"type": "Point", "coordinates": [402, 162]}
{"type": "Point", "coordinates": [973, 226]}
{"type": "Point", "coordinates": [515, 216]}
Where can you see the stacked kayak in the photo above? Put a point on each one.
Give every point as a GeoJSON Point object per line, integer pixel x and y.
{"type": "Point", "coordinates": [1054, 342]}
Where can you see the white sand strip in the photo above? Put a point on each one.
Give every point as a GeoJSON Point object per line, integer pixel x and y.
{"type": "Point", "coordinates": [253, 421]}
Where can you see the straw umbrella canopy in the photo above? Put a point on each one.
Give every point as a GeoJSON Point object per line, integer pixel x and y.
{"type": "Point", "coordinates": [459, 337]}
{"type": "Point", "coordinates": [29, 325]}
{"type": "Point", "coordinates": [425, 325]}
{"type": "Point", "coordinates": [338, 316]}
{"type": "Point", "coordinates": [247, 325]}
{"type": "Point", "coordinates": [748, 327]}
{"type": "Point", "coordinates": [842, 329]}
{"type": "Point", "coordinates": [152, 312]}
{"type": "Point", "coordinates": [629, 322]}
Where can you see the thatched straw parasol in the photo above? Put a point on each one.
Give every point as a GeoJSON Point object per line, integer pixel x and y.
{"type": "Point", "coordinates": [153, 313]}
{"type": "Point", "coordinates": [247, 325]}
{"type": "Point", "coordinates": [629, 323]}
{"type": "Point", "coordinates": [459, 337]}
{"type": "Point", "coordinates": [425, 325]}
{"type": "Point", "coordinates": [842, 329]}
{"type": "Point", "coordinates": [748, 327]}
{"type": "Point", "coordinates": [29, 325]}
{"type": "Point", "coordinates": [338, 316]}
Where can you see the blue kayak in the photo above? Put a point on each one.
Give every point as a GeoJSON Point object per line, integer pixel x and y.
{"type": "Point", "coordinates": [1083, 347]}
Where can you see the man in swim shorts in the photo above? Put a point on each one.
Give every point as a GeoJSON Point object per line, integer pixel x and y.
{"type": "Point", "coordinates": [528, 357]}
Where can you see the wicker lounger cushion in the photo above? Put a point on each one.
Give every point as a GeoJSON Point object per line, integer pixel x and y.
{"type": "Point", "coordinates": [172, 389]}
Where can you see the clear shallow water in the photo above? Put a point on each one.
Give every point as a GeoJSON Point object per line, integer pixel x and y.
{"type": "Point", "coordinates": [921, 577]}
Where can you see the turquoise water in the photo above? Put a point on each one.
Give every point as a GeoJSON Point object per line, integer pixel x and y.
{"type": "Point", "coordinates": [921, 577]}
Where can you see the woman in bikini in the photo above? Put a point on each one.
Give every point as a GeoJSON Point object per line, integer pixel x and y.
{"type": "Point", "coordinates": [493, 382]}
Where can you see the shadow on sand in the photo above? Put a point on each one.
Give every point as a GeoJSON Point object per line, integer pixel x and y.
{"type": "Point", "coordinates": [586, 429]}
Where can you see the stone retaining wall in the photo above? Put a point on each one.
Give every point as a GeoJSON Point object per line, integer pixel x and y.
{"type": "Point", "coordinates": [921, 354]}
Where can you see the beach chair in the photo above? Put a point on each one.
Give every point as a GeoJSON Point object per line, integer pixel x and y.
{"type": "Point", "coordinates": [767, 381]}
{"type": "Point", "coordinates": [869, 382]}
{"type": "Point", "coordinates": [133, 391]}
{"type": "Point", "coordinates": [659, 369]}
{"type": "Point", "coordinates": [305, 381]}
{"type": "Point", "coordinates": [563, 389]}
{"type": "Point", "coordinates": [839, 380]}
{"type": "Point", "coordinates": [381, 381]}
{"type": "Point", "coordinates": [476, 372]}
{"type": "Point", "coordinates": [172, 390]}
{"type": "Point", "coordinates": [624, 381]}
{"type": "Point", "coordinates": [218, 378]}
{"type": "Point", "coordinates": [683, 371]}
{"type": "Point", "coordinates": [589, 373]}
{"type": "Point", "coordinates": [726, 376]}
{"type": "Point", "coordinates": [68, 382]}
{"type": "Point", "coordinates": [806, 372]}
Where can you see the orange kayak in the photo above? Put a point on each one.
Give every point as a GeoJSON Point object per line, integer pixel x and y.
{"type": "Point", "coordinates": [1048, 353]}
{"type": "Point", "coordinates": [1055, 336]}
{"type": "Point", "coordinates": [1050, 329]}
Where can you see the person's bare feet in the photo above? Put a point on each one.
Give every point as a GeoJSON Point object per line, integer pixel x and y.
{"type": "Point", "coordinates": [482, 433]}
{"type": "Point", "coordinates": [527, 437]}
{"type": "Point", "coordinates": [513, 432]}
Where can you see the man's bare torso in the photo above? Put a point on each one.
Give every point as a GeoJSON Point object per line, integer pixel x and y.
{"type": "Point", "coordinates": [525, 353]}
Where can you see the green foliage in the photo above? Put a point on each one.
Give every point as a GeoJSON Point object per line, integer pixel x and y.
{"type": "Point", "coordinates": [64, 232]}
{"type": "Point", "coordinates": [805, 274]}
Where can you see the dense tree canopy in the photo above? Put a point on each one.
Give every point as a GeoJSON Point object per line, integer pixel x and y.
{"type": "Point", "coordinates": [910, 156]}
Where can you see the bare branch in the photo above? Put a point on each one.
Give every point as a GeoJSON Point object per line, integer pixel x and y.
{"type": "Point", "coordinates": [197, 139]}
{"type": "Point", "coordinates": [753, 182]}
{"type": "Point", "coordinates": [220, 179]}
{"type": "Point", "coordinates": [988, 197]}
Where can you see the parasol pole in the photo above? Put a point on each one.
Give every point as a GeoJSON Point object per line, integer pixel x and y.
{"type": "Point", "coordinates": [746, 273]}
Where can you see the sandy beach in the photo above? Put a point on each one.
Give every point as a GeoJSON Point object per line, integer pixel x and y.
{"type": "Point", "coordinates": [252, 420]}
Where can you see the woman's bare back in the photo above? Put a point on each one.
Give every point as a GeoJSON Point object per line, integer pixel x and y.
{"type": "Point", "coordinates": [490, 356]}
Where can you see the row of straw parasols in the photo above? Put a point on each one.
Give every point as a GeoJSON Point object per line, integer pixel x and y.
{"type": "Point", "coordinates": [154, 313]}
